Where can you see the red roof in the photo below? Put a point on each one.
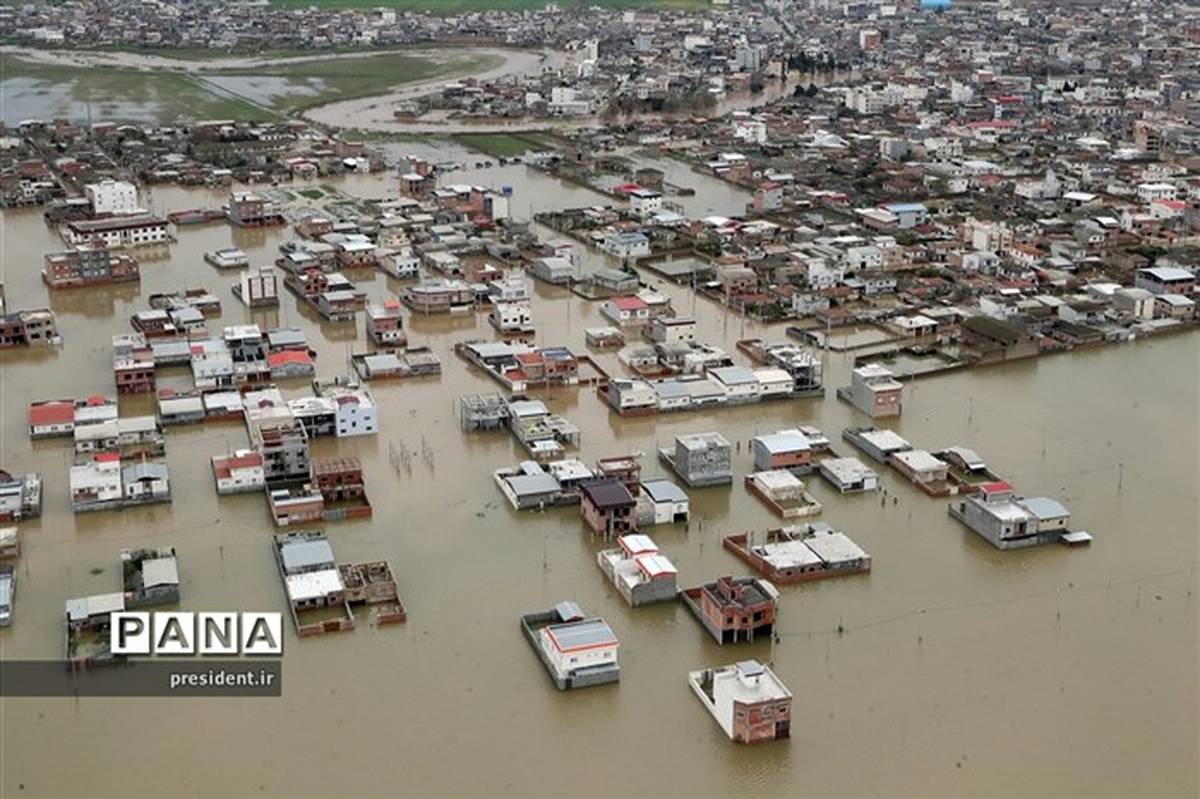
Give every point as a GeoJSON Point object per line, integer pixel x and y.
{"type": "Point", "coordinates": [224, 466]}
{"type": "Point", "coordinates": [630, 303]}
{"type": "Point", "coordinates": [51, 412]}
{"type": "Point", "coordinates": [995, 488]}
{"type": "Point", "coordinates": [288, 356]}
{"type": "Point", "coordinates": [108, 457]}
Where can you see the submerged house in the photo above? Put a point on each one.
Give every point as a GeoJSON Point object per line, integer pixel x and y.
{"type": "Point", "coordinates": [1007, 521]}
{"type": "Point", "coordinates": [874, 391]}
{"type": "Point", "coordinates": [149, 577]}
{"type": "Point", "coordinates": [89, 621]}
{"type": "Point", "coordinates": [750, 703]}
{"type": "Point", "coordinates": [849, 475]}
{"type": "Point", "coordinates": [577, 651]}
{"type": "Point", "coordinates": [794, 554]}
{"type": "Point", "coordinates": [608, 508]}
{"type": "Point", "coordinates": [316, 593]}
{"type": "Point", "coordinates": [786, 449]}
{"type": "Point", "coordinates": [641, 574]}
{"type": "Point", "coordinates": [700, 459]}
{"type": "Point", "coordinates": [662, 502]}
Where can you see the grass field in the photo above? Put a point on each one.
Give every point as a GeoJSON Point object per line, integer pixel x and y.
{"type": "Point", "coordinates": [260, 93]}
{"type": "Point", "coordinates": [501, 145]}
{"type": "Point", "coordinates": [320, 82]}
{"type": "Point", "coordinates": [46, 91]}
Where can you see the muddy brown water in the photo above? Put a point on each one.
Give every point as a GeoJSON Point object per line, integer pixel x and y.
{"type": "Point", "coordinates": [957, 670]}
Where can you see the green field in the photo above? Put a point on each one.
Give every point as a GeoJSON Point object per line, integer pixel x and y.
{"type": "Point", "coordinates": [324, 81]}
{"type": "Point", "coordinates": [45, 91]}
{"type": "Point", "coordinates": [501, 145]}
{"type": "Point", "coordinates": [456, 6]}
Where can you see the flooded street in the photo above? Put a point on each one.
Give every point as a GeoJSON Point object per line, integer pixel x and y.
{"type": "Point", "coordinates": [951, 669]}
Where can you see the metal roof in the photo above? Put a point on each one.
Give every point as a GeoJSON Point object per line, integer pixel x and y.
{"type": "Point", "coordinates": [1045, 508]}
{"type": "Point", "coordinates": [160, 571]}
{"type": "Point", "coordinates": [663, 491]}
{"type": "Point", "coordinates": [305, 553]}
{"type": "Point", "coordinates": [576, 636]}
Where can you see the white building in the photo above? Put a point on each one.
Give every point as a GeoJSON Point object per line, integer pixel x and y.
{"type": "Point", "coordinates": [749, 702]}
{"type": "Point", "coordinates": [240, 472]}
{"type": "Point", "coordinates": [577, 646]}
{"type": "Point", "coordinates": [669, 501]}
{"type": "Point", "coordinates": [673, 329]}
{"type": "Point", "coordinates": [112, 197]}
{"type": "Point", "coordinates": [645, 202]}
{"type": "Point", "coordinates": [626, 245]}
{"type": "Point", "coordinates": [402, 264]}
{"type": "Point", "coordinates": [1148, 192]}
{"type": "Point", "coordinates": [356, 414]}
{"type": "Point", "coordinates": [874, 391]}
{"type": "Point", "coordinates": [512, 317]}
{"type": "Point", "coordinates": [259, 287]}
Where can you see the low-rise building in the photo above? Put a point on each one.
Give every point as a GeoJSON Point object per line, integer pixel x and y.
{"type": "Point", "coordinates": [785, 449]}
{"type": "Point", "coordinates": [874, 391]}
{"type": "Point", "coordinates": [750, 703]}
{"type": "Point", "coordinates": [239, 473]}
{"type": "Point", "coordinates": [641, 574]}
{"type": "Point", "coordinates": [608, 508]}
{"type": "Point", "coordinates": [795, 554]}
{"type": "Point", "coordinates": [1010, 522]}
{"type": "Point", "coordinates": [576, 650]}
{"type": "Point", "coordinates": [849, 475]}
{"type": "Point", "coordinates": [150, 577]}
{"type": "Point", "coordinates": [700, 459]}
{"type": "Point", "coordinates": [733, 609]}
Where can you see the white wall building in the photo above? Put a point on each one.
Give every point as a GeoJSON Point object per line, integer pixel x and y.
{"type": "Point", "coordinates": [112, 197]}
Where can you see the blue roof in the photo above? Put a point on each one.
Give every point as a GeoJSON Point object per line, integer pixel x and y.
{"type": "Point", "coordinates": [902, 208]}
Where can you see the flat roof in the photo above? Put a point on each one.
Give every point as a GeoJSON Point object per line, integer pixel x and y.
{"type": "Point", "coordinates": [637, 544]}
{"type": "Point", "coordinates": [313, 585]}
{"type": "Point", "coordinates": [786, 554]}
{"type": "Point", "coordinates": [920, 461]}
{"type": "Point", "coordinates": [886, 440]}
{"type": "Point", "coordinates": [784, 441]}
{"type": "Point", "coordinates": [305, 553]}
{"type": "Point", "coordinates": [834, 547]}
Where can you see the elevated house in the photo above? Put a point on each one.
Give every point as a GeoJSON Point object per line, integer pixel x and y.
{"type": "Point", "coordinates": [733, 609]}
{"type": "Point", "coordinates": [608, 508]}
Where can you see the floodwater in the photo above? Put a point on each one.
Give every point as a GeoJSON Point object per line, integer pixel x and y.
{"type": "Point", "coordinates": [950, 669]}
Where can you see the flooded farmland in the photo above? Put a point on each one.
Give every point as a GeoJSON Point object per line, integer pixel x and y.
{"type": "Point", "coordinates": [950, 669]}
